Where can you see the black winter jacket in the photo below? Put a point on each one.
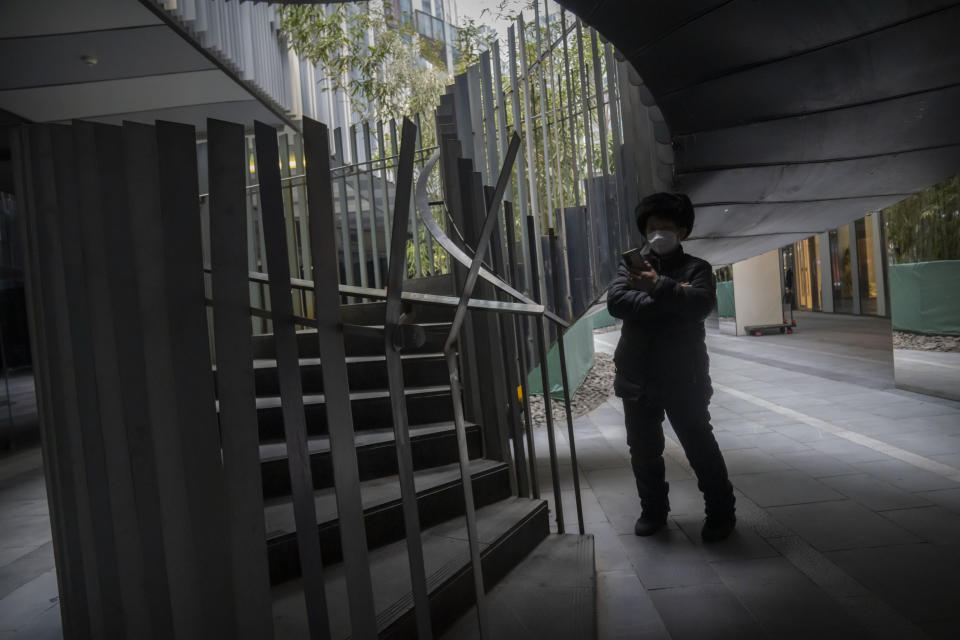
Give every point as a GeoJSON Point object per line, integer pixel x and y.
{"type": "Point", "coordinates": [662, 343]}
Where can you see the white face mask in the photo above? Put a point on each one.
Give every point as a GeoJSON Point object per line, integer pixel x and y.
{"type": "Point", "coordinates": [662, 242]}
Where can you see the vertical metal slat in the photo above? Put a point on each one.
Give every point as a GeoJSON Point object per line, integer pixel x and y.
{"type": "Point", "coordinates": [398, 402]}
{"type": "Point", "coordinates": [235, 382]}
{"type": "Point", "coordinates": [574, 469]}
{"type": "Point", "coordinates": [192, 370]}
{"type": "Point", "coordinates": [291, 391]}
{"type": "Point", "coordinates": [346, 476]}
{"type": "Point", "coordinates": [540, 335]}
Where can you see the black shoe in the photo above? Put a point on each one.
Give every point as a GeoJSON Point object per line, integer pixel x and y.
{"type": "Point", "coordinates": [648, 524]}
{"type": "Point", "coordinates": [717, 528]}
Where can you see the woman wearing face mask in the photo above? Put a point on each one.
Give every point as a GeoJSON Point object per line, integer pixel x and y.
{"type": "Point", "coordinates": [663, 296]}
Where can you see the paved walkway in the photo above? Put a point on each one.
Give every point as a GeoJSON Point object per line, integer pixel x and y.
{"type": "Point", "coordinates": [848, 500]}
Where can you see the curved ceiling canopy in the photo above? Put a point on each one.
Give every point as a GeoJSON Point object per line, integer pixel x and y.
{"type": "Point", "coordinates": [789, 118]}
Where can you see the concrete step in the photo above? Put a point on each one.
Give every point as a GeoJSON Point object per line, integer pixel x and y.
{"type": "Point", "coordinates": [364, 373]}
{"type": "Point", "coordinates": [551, 594]}
{"type": "Point", "coordinates": [371, 410]}
{"type": "Point", "coordinates": [432, 445]}
{"type": "Point", "coordinates": [439, 498]}
{"type": "Point", "coordinates": [355, 345]}
{"type": "Point", "coordinates": [508, 530]}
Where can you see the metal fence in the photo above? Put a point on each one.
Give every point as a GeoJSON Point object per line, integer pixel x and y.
{"type": "Point", "coordinates": [556, 84]}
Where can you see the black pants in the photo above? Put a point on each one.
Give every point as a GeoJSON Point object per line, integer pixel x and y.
{"type": "Point", "coordinates": [691, 422]}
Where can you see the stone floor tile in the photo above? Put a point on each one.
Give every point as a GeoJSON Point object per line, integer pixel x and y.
{"type": "Point", "coordinates": [816, 464]}
{"type": "Point", "coordinates": [830, 526]}
{"type": "Point", "coordinates": [799, 431]}
{"type": "Point", "coordinates": [743, 544]}
{"type": "Point", "coordinates": [783, 488]}
{"type": "Point", "coordinates": [705, 611]}
{"type": "Point", "coordinates": [667, 559]}
{"type": "Point", "coordinates": [752, 461]}
{"type": "Point", "coordinates": [906, 476]}
{"type": "Point", "coordinates": [946, 498]}
{"type": "Point", "coordinates": [783, 599]}
{"type": "Point", "coordinates": [931, 523]}
{"type": "Point", "coordinates": [873, 493]}
{"type": "Point", "coordinates": [625, 610]}
{"type": "Point", "coordinates": [922, 581]}
{"type": "Point", "coordinates": [847, 451]}
{"type": "Point", "coordinates": [774, 442]}
{"type": "Point", "coordinates": [25, 604]}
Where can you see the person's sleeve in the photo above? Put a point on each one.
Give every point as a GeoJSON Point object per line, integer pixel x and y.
{"type": "Point", "coordinates": [693, 302]}
{"type": "Point", "coordinates": [624, 302]}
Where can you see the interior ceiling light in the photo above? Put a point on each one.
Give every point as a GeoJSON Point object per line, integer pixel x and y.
{"type": "Point", "coordinates": [89, 59]}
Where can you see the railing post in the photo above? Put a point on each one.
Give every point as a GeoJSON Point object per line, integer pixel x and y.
{"type": "Point", "coordinates": [545, 378]}
{"type": "Point", "coordinates": [398, 402]}
{"type": "Point", "coordinates": [471, 279]}
{"type": "Point", "coordinates": [575, 472]}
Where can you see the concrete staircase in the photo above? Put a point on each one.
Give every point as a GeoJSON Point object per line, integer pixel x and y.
{"type": "Point", "coordinates": [509, 526]}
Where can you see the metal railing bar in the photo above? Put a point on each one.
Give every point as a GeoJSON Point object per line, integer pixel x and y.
{"type": "Point", "coordinates": [574, 469]}
{"type": "Point", "coordinates": [398, 404]}
{"type": "Point", "coordinates": [522, 355]}
{"type": "Point", "coordinates": [451, 247]}
{"type": "Point", "coordinates": [545, 380]}
{"type": "Point", "coordinates": [451, 357]}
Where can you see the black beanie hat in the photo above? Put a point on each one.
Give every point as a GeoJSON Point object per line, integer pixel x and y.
{"type": "Point", "coordinates": [672, 206]}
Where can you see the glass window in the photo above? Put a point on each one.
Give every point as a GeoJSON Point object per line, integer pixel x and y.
{"type": "Point", "coordinates": [807, 274]}
{"type": "Point", "coordinates": [425, 5]}
{"type": "Point", "coordinates": [438, 11]}
{"type": "Point", "coordinates": [406, 10]}
{"type": "Point", "coordinates": [866, 265]}
{"type": "Point", "coordinates": [841, 270]}
{"type": "Point", "coordinates": [424, 27]}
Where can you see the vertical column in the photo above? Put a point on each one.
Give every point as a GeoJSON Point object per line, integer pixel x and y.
{"type": "Point", "coordinates": [826, 275]}
{"type": "Point", "coordinates": [854, 267]}
{"type": "Point", "coordinates": [879, 252]}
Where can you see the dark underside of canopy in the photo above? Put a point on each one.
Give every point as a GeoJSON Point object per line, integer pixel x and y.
{"type": "Point", "coordinates": [790, 118]}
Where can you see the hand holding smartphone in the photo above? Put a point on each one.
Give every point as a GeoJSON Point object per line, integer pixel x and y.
{"type": "Point", "coordinates": [635, 260]}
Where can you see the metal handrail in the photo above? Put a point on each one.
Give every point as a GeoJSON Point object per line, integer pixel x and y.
{"type": "Point", "coordinates": [475, 269]}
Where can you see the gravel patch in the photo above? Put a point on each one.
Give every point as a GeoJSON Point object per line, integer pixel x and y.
{"type": "Point", "coordinates": [596, 388]}
{"type": "Point", "coordinates": [921, 342]}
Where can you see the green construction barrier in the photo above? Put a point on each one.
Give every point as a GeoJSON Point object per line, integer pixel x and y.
{"type": "Point", "coordinates": [602, 319]}
{"type": "Point", "coordinates": [578, 344]}
{"type": "Point", "coordinates": [725, 304]}
{"type": "Point", "coordinates": [923, 297]}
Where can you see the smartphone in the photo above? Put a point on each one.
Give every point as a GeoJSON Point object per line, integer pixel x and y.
{"type": "Point", "coordinates": [634, 258]}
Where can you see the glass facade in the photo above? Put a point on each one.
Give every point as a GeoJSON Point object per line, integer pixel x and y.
{"type": "Point", "coordinates": [852, 280]}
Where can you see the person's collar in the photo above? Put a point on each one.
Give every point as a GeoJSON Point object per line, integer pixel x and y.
{"type": "Point", "coordinates": [674, 256]}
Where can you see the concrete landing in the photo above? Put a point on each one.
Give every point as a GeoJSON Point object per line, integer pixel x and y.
{"type": "Point", "coordinates": [551, 594]}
